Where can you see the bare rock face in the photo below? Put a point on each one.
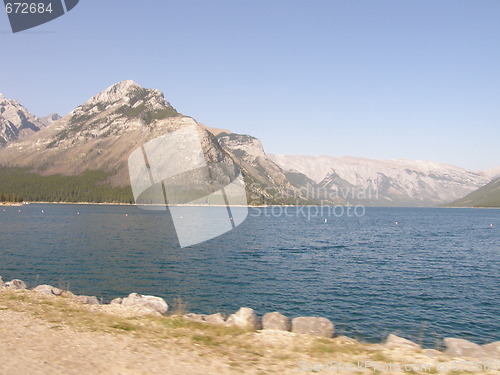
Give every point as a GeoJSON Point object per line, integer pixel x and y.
{"type": "Point", "coordinates": [245, 318]}
{"type": "Point", "coordinates": [462, 348]}
{"type": "Point", "coordinates": [116, 301]}
{"type": "Point", "coordinates": [394, 341]}
{"type": "Point", "coordinates": [248, 153]}
{"type": "Point", "coordinates": [48, 289]}
{"type": "Point", "coordinates": [245, 147]}
{"type": "Point", "coordinates": [313, 326]}
{"type": "Point", "coordinates": [148, 302]}
{"type": "Point", "coordinates": [277, 321]}
{"type": "Point", "coordinates": [117, 92]}
{"type": "Point", "coordinates": [15, 284]}
{"type": "Point", "coordinates": [16, 121]}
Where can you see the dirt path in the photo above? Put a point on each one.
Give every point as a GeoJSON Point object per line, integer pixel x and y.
{"type": "Point", "coordinates": [32, 346]}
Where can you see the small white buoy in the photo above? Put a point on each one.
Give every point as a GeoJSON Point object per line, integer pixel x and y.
{"type": "Point", "coordinates": [491, 225]}
{"type": "Point", "coordinates": [126, 214]}
{"type": "Point", "coordinates": [18, 210]}
{"type": "Point", "coordinates": [42, 211]}
{"type": "Point", "coordinates": [78, 213]}
{"type": "Point", "coordinates": [326, 220]}
{"type": "Point", "coordinates": [396, 223]}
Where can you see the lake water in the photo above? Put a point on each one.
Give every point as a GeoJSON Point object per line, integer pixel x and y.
{"type": "Point", "coordinates": [433, 274]}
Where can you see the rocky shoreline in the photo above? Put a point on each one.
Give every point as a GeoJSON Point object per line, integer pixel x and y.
{"type": "Point", "coordinates": [136, 305]}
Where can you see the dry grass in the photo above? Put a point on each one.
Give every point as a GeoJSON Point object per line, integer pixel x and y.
{"type": "Point", "coordinates": [179, 307]}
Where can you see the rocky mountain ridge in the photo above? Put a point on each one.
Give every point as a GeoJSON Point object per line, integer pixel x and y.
{"type": "Point", "coordinates": [271, 179]}
{"type": "Point", "coordinates": [101, 133]}
{"type": "Point", "coordinates": [16, 122]}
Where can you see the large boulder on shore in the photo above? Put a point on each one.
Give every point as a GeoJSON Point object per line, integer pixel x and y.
{"type": "Point", "coordinates": [216, 319]}
{"type": "Point", "coordinates": [152, 303]}
{"type": "Point", "coordinates": [48, 289]}
{"type": "Point", "coordinates": [277, 321]}
{"type": "Point", "coordinates": [15, 284]}
{"type": "Point", "coordinates": [1, 282]}
{"type": "Point", "coordinates": [87, 300]}
{"type": "Point", "coordinates": [313, 326]}
{"type": "Point", "coordinates": [198, 318]}
{"type": "Point", "coordinates": [462, 348]}
{"type": "Point", "coordinates": [245, 318]}
{"type": "Point", "coordinates": [394, 342]}
{"type": "Point", "coordinates": [492, 350]}
{"type": "Point", "coordinates": [432, 353]}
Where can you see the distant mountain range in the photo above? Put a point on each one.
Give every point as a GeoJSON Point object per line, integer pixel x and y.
{"type": "Point", "coordinates": [386, 182]}
{"type": "Point", "coordinates": [100, 134]}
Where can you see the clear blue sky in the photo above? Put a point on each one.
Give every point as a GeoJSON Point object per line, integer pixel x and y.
{"type": "Point", "coordinates": [416, 79]}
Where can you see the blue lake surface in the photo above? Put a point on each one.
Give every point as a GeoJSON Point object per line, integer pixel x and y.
{"type": "Point", "coordinates": [434, 274]}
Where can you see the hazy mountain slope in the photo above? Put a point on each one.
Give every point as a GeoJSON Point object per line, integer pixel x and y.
{"type": "Point", "coordinates": [392, 182]}
{"type": "Point", "coordinates": [486, 196]}
{"type": "Point", "coordinates": [17, 122]}
{"type": "Point", "coordinates": [49, 119]}
{"type": "Point", "coordinates": [491, 173]}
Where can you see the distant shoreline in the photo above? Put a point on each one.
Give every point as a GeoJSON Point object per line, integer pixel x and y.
{"type": "Point", "coordinates": [216, 205]}
{"type": "Point", "coordinates": [138, 205]}
{"type": "Point", "coordinates": [15, 204]}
